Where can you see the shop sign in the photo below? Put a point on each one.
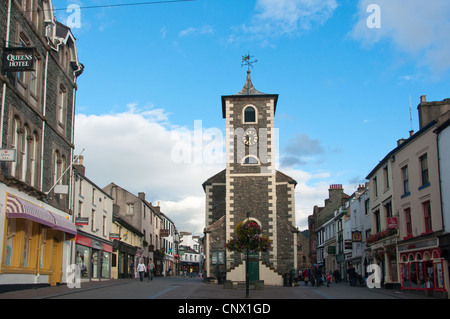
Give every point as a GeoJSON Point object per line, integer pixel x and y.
{"type": "Point", "coordinates": [84, 241]}
{"type": "Point", "coordinates": [8, 155]}
{"type": "Point", "coordinates": [18, 59]}
{"type": "Point", "coordinates": [392, 222]}
{"type": "Point", "coordinates": [82, 221]}
{"type": "Point", "coordinates": [356, 236]}
{"type": "Point", "coordinates": [107, 248]}
{"type": "Point", "coordinates": [164, 233]}
{"type": "Point", "coordinates": [114, 236]}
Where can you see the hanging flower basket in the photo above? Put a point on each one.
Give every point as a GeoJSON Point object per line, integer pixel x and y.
{"type": "Point", "coordinates": [381, 235]}
{"type": "Point", "coordinates": [249, 235]}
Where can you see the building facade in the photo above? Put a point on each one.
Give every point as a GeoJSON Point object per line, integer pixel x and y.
{"type": "Point", "coordinates": [250, 188]}
{"type": "Point", "coordinates": [336, 198]}
{"type": "Point", "coordinates": [127, 241]}
{"type": "Point", "coordinates": [93, 212]}
{"type": "Point", "coordinates": [358, 228]}
{"type": "Point", "coordinates": [36, 129]}
{"type": "Point", "coordinates": [418, 194]}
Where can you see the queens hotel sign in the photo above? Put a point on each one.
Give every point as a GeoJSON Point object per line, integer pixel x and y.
{"type": "Point", "coordinates": [18, 59]}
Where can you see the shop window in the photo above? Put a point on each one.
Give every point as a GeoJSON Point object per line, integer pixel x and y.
{"type": "Point", "coordinates": [42, 260]}
{"type": "Point", "coordinates": [438, 275]}
{"type": "Point", "coordinates": [83, 261]}
{"type": "Point", "coordinates": [22, 242]}
{"type": "Point", "coordinates": [9, 247]}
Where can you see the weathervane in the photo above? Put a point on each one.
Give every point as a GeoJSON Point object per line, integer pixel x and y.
{"type": "Point", "coordinates": [246, 60]}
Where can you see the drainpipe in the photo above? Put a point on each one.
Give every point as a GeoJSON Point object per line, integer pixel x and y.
{"type": "Point", "coordinates": [44, 107]}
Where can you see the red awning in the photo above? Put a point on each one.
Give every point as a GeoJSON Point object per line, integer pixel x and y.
{"type": "Point", "coordinates": [17, 207]}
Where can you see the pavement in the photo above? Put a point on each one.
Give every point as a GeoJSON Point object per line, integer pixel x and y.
{"type": "Point", "coordinates": [195, 288]}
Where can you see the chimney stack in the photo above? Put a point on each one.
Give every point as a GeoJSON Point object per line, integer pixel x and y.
{"type": "Point", "coordinates": [78, 165]}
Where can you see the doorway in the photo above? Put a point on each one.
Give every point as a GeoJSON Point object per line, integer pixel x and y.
{"type": "Point", "coordinates": [253, 267]}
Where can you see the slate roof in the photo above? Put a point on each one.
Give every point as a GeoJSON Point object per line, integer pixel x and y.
{"type": "Point", "coordinates": [248, 90]}
{"type": "Point", "coordinates": [220, 178]}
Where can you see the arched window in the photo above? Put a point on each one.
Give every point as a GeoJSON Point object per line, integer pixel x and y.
{"type": "Point", "coordinates": [250, 160]}
{"type": "Point", "coordinates": [56, 166]}
{"type": "Point", "coordinates": [15, 143]}
{"type": "Point", "coordinates": [249, 114]}
{"type": "Point", "coordinates": [25, 152]}
{"type": "Point", "coordinates": [34, 159]}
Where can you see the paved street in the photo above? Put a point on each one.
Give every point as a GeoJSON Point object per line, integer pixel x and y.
{"type": "Point", "coordinates": [196, 289]}
{"type": "Point", "coordinates": [191, 297]}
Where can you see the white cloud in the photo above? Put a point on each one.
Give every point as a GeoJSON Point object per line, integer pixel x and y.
{"type": "Point", "coordinates": [134, 150]}
{"type": "Point", "coordinates": [277, 17]}
{"type": "Point", "coordinates": [290, 15]}
{"type": "Point", "coordinates": [416, 27]}
{"type": "Point", "coordinates": [191, 31]}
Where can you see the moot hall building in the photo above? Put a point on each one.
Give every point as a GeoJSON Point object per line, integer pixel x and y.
{"type": "Point", "coordinates": [250, 185]}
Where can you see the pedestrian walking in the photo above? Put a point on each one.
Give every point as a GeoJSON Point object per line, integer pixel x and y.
{"type": "Point", "coordinates": [150, 268]}
{"type": "Point", "coordinates": [141, 270]}
{"type": "Point", "coordinates": [318, 276]}
{"type": "Point", "coordinates": [306, 277]}
{"type": "Point", "coordinates": [329, 278]}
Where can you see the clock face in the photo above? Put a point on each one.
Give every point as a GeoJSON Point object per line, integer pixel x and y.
{"type": "Point", "coordinates": [250, 137]}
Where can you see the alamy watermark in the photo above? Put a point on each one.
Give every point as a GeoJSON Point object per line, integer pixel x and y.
{"type": "Point", "coordinates": [374, 19]}
{"type": "Point", "coordinates": [251, 146]}
{"type": "Point", "coordinates": [374, 279]}
{"type": "Point", "coordinates": [74, 19]}
{"type": "Point", "coordinates": [73, 276]}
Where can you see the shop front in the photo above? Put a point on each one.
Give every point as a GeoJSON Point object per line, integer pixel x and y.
{"type": "Point", "coordinates": [124, 260]}
{"type": "Point", "coordinates": [35, 244]}
{"type": "Point", "coordinates": [93, 256]}
{"type": "Point", "coordinates": [422, 268]}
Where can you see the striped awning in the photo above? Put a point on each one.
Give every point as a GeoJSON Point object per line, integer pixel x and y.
{"type": "Point", "coordinates": [17, 207]}
{"type": "Point", "coordinates": [64, 224]}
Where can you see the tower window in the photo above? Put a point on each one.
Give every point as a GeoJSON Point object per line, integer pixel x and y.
{"type": "Point", "coordinates": [249, 160]}
{"type": "Point", "coordinates": [249, 114]}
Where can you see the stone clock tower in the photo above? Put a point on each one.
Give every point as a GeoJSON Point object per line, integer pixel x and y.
{"type": "Point", "coordinates": [250, 186]}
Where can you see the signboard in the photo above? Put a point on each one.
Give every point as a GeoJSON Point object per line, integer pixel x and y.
{"type": "Point", "coordinates": [392, 222]}
{"type": "Point", "coordinates": [356, 236]}
{"type": "Point", "coordinates": [114, 236]}
{"type": "Point", "coordinates": [8, 155]}
{"type": "Point", "coordinates": [81, 221]}
{"type": "Point", "coordinates": [18, 59]}
{"type": "Point", "coordinates": [331, 250]}
{"type": "Point", "coordinates": [164, 233]}
{"type": "Point", "coordinates": [61, 189]}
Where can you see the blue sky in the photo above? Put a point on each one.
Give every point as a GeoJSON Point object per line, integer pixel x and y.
{"type": "Point", "coordinates": [153, 71]}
